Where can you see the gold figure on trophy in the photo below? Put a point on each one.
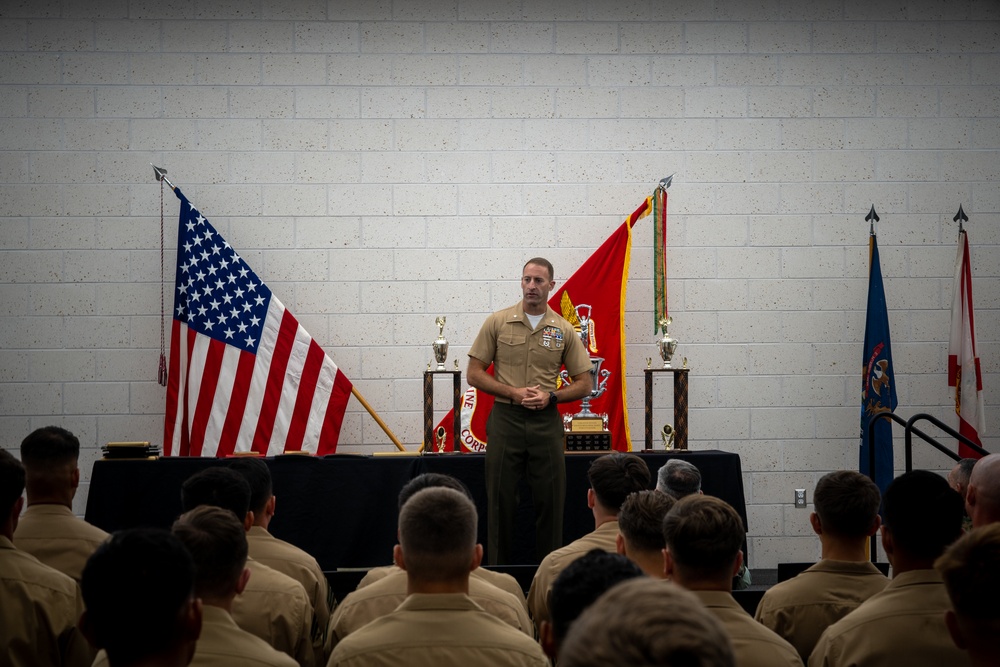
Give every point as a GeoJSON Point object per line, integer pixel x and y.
{"type": "Point", "coordinates": [668, 434]}
{"type": "Point", "coordinates": [440, 433]}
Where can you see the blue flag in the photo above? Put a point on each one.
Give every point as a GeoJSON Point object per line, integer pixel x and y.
{"type": "Point", "coordinates": [878, 390]}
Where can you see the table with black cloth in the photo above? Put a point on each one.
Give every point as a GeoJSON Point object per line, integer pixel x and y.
{"type": "Point", "coordinates": [342, 508]}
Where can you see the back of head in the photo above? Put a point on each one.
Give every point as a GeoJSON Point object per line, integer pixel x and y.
{"type": "Point", "coordinates": [258, 476]}
{"type": "Point", "coordinates": [217, 543]}
{"type": "Point", "coordinates": [432, 480]}
{"type": "Point", "coordinates": [437, 534]}
{"type": "Point", "coordinates": [50, 456]}
{"type": "Point", "coordinates": [678, 478]}
{"type": "Point", "coordinates": [960, 474]}
{"type": "Point", "coordinates": [11, 483]}
{"type": "Point", "coordinates": [583, 581]}
{"type": "Point", "coordinates": [971, 571]}
{"type": "Point", "coordinates": [136, 587]}
{"type": "Point", "coordinates": [645, 623]}
{"type": "Point", "coordinates": [217, 486]}
{"type": "Point", "coordinates": [984, 502]}
{"type": "Point", "coordinates": [641, 520]}
{"type": "Point", "coordinates": [847, 503]}
{"type": "Point", "coordinates": [923, 514]}
{"type": "Point", "coordinates": [704, 536]}
{"type": "Point", "coordinates": [614, 476]}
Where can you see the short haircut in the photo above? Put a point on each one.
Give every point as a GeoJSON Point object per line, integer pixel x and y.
{"type": "Point", "coordinates": [614, 476]}
{"type": "Point", "coordinates": [135, 587]}
{"type": "Point", "coordinates": [583, 581]}
{"type": "Point", "coordinates": [432, 480]}
{"type": "Point", "coordinates": [217, 486]}
{"type": "Point", "coordinates": [542, 262]}
{"type": "Point", "coordinates": [11, 483]}
{"type": "Point", "coordinates": [217, 543]}
{"type": "Point", "coordinates": [679, 478]}
{"type": "Point", "coordinates": [644, 622]}
{"type": "Point", "coordinates": [640, 520]}
{"type": "Point", "coordinates": [964, 471]}
{"type": "Point", "coordinates": [923, 513]}
{"type": "Point", "coordinates": [258, 476]}
{"type": "Point", "coordinates": [971, 571]}
{"type": "Point", "coordinates": [49, 446]}
{"type": "Point", "coordinates": [704, 535]}
{"type": "Point", "coordinates": [437, 533]}
{"type": "Point", "coordinates": [847, 503]}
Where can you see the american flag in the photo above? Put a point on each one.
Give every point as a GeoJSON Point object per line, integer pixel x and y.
{"type": "Point", "coordinates": [243, 373]}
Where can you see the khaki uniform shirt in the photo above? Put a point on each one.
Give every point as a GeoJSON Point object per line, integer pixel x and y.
{"type": "Point", "coordinates": [274, 607]}
{"type": "Point", "coordinates": [448, 630]}
{"type": "Point", "coordinates": [501, 580]}
{"type": "Point", "coordinates": [300, 566]}
{"type": "Point", "coordinates": [753, 644]}
{"type": "Point", "coordinates": [801, 608]}
{"type": "Point", "coordinates": [382, 597]}
{"type": "Point", "coordinates": [523, 357]}
{"type": "Point", "coordinates": [39, 608]}
{"type": "Point", "coordinates": [538, 595]}
{"type": "Point", "coordinates": [223, 644]}
{"type": "Point", "coordinates": [54, 535]}
{"type": "Point", "coordinates": [902, 625]}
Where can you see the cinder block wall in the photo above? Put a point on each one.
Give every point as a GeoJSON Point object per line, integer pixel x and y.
{"type": "Point", "coordinates": [382, 162]}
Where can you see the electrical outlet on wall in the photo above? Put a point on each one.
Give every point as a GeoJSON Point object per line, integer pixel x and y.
{"type": "Point", "coordinates": [800, 497]}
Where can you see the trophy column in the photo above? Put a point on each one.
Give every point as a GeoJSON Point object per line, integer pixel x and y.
{"type": "Point", "coordinates": [680, 406]}
{"type": "Point", "coordinates": [429, 441]}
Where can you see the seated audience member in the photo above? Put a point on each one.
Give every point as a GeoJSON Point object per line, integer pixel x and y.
{"type": "Point", "coordinates": [39, 606]}
{"type": "Point", "coordinates": [49, 530]}
{"type": "Point", "coordinates": [846, 516]}
{"type": "Point", "coordinates": [982, 499]}
{"type": "Point", "coordinates": [612, 478]}
{"type": "Point", "coordinates": [678, 478]}
{"type": "Point", "coordinates": [904, 623]}
{"type": "Point", "coordinates": [217, 543]}
{"type": "Point", "coordinates": [971, 572]}
{"type": "Point", "coordinates": [640, 530]}
{"type": "Point", "coordinates": [138, 588]}
{"type": "Point", "coordinates": [387, 589]}
{"type": "Point", "coordinates": [704, 537]}
{"type": "Point", "coordinates": [583, 581]}
{"type": "Point", "coordinates": [501, 580]}
{"type": "Point", "coordinates": [958, 478]}
{"type": "Point", "coordinates": [277, 554]}
{"type": "Point", "coordinates": [271, 605]}
{"type": "Point", "coordinates": [438, 623]}
{"type": "Point", "coordinates": [643, 623]}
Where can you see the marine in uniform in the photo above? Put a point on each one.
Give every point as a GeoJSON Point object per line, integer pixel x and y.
{"type": "Point", "coordinates": [275, 607]}
{"type": "Point", "coordinates": [501, 580]}
{"type": "Point", "coordinates": [753, 644]}
{"type": "Point", "coordinates": [527, 344]}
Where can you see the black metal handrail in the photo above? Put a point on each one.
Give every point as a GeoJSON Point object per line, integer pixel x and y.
{"type": "Point", "coordinates": [909, 431]}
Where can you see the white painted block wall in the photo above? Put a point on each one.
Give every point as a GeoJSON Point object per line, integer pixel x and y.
{"type": "Point", "coordinates": [380, 163]}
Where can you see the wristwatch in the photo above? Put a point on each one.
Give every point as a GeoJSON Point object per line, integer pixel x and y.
{"type": "Point", "coordinates": [552, 398]}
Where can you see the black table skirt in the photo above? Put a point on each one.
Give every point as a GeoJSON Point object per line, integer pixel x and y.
{"type": "Point", "coordinates": [342, 508]}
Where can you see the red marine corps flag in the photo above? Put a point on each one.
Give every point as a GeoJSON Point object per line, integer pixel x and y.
{"type": "Point", "coordinates": [243, 373]}
{"type": "Point", "coordinates": [596, 290]}
{"type": "Point", "coordinates": [964, 372]}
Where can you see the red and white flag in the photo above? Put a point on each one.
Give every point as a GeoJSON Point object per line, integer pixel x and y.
{"type": "Point", "coordinates": [243, 373]}
{"type": "Point", "coordinates": [964, 373]}
{"type": "Point", "coordinates": [597, 290]}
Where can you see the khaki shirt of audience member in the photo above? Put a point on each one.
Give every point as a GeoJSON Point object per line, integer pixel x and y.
{"type": "Point", "coordinates": [382, 597]}
{"type": "Point", "coordinates": [55, 536]}
{"type": "Point", "coordinates": [501, 580]}
{"type": "Point", "coordinates": [223, 644]}
{"type": "Point", "coordinates": [753, 644]}
{"type": "Point", "coordinates": [438, 631]}
{"type": "Point", "coordinates": [902, 625]}
{"type": "Point", "coordinates": [39, 609]}
{"type": "Point", "coordinates": [275, 607]}
{"type": "Point", "coordinates": [603, 537]}
{"type": "Point", "coordinates": [800, 609]}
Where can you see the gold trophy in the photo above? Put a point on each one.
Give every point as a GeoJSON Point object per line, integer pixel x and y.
{"type": "Point", "coordinates": [440, 433]}
{"type": "Point", "coordinates": [440, 345]}
{"type": "Point", "coordinates": [668, 436]}
{"type": "Point", "coordinates": [666, 344]}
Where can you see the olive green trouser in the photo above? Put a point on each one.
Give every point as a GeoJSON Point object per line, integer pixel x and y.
{"type": "Point", "coordinates": [524, 443]}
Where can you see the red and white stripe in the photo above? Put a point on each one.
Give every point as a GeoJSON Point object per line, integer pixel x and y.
{"type": "Point", "coordinates": [964, 372]}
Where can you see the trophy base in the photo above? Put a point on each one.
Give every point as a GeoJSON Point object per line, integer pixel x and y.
{"type": "Point", "coordinates": [587, 442]}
